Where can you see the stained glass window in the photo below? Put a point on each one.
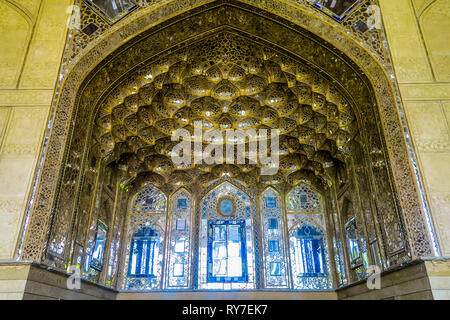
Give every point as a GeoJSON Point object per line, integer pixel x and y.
{"type": "Point", "coordinates": [303, 199]}
{"type": "Point", "coordinates": [150, 200]}
{"type": "Point", "coordinates": [309, 257]}
{"type": "Point", "coordinates": [226, 207]}
{"type": "Point", "coordinates": [338, 9]}
{"type": "Point", "coordinates": [96, 261]}
{"type": "Point", "coordinates": [144, 253]}
{"type": "Point", "coordinates": [271, 202]}
{"type": "Point", "coordinates": [182, 203]}
{"type": "Point", "coordinates": [145, 244]}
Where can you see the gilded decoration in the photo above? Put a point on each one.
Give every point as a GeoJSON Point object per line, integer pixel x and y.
{"type": "Point", "coordinates": [226, 206]}
{"type": "Point", "coordinates": [104, 78]}
{"type": "Point", "coordinates": [252, 88]}
{"type": "Point", "coordinates": [351, 16]}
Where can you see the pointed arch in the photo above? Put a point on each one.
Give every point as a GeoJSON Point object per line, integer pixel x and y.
{"type": "Point", "coordinates": [214, 264]}
{"type": "Point", "coordinates": [86, 81]}
{"type": "Point", "coordinates": [273, 238]}
{"type": "Point", "coordinates": [310, 261]}
{"type": "Point", "coordinates": [180, 225]}
{"type": "Point", "coordinates": [148, 209]}
{"type": "Point", "coordinates": [304, 198]}
{"type": "Point", "coordinates": [149, 199]}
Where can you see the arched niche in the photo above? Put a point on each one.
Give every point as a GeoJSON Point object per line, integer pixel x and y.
{"type": "Point", "coordinates": [145, 237]}
{"type": "Point", "coordinates": [14, 42]}
{"type": "Point", "coordinates": [180, 226]}
{"type": "Point", "coordinates": [274, 235]}
{"type": "Point", "coordinates": [319, 45]}
{"type": "Point", "coordinates": [217, 222]}
{"type": "Point", "coordinates": [433, 21]}
{"type": "Point", "coordinates": [309, 255]}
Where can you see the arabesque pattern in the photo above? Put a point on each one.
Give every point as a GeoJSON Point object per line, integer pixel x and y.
{"type": "Point", "coordinates": [224, 83]}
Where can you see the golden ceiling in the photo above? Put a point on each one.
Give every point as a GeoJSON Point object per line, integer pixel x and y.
{"type": "Point", "coordinates": [225, 82]}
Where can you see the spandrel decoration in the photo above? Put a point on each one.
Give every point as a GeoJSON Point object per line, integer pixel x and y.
{"type": "Point", "coordinates": [112, 10]}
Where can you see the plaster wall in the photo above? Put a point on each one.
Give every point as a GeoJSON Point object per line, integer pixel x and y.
{"type": "Point", "coordinates": [417, 32]}
{"type": "Point", "coordinates": [32, 38]}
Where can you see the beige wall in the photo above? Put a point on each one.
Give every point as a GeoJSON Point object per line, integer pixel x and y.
{"type": "Point", "coordinates": [417, 32]}
{"type": "Point", "coordinates": [32, 37]}
{"type": "Point", "coordinates": [19, 280]}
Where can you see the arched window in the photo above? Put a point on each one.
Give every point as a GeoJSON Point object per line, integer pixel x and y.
{"type": "Point", "coordinates": [352, 242]}
{"type": "Point", "coordinates": [309, 257]}
{"type": "Point", "coordinates": [226, 240]}
{"type": "Point", "coordinates": [307, 239]}
{"type": "Point", "coordinates": [145, 244]}
{"type": "Point", "coordinates": [309, 251]}
{"type": "Point", "coordinates": [143, 253]}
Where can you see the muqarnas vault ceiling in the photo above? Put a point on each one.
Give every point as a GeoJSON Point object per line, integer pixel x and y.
{"type": "Point", "coordinates": [223, 83]}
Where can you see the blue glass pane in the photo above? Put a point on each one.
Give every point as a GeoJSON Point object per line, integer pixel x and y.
{"type": "Point", "coordinates": [227, 260]}
{"type": "Point", "coordinates": [310, 257]}
{"type": "Point", "coordinates": [273, 223]}
{"type": "Point", "coordinates": [142, 253]}
{"type": "Point", "coordinates": [226, 207]}
{"type": "Point", "coordinates": [275, 269]}
{"type": "Point", "coordinates": [310, 252]}
{"type": "Point", "coordinates": [182, 204]}
{"type": "Point", "coordinates": [273, 245]}
{"type": "Point", "coordinates": [144, 232]}
{"type": "Point", "coordinates": [271, 202]}
{"type": "Point", "coordinates": [99, 246]}
{"type": "Point", "coordinates": [354, 249]}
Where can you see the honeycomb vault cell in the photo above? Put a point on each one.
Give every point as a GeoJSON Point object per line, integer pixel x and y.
{"type": "Point", "coordinates": [225, 83]}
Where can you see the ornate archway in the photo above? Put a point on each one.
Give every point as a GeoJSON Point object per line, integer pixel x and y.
{"type": "Point", "coordinates": [102, 122]}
